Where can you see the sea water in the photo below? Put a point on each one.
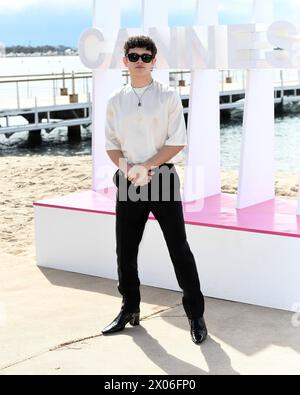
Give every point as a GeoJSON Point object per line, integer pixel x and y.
{"type": "Point", "coordinates": [287, 127]}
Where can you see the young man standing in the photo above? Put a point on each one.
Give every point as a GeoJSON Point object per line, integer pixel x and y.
{"type": "Point", "coordinates": [145, 132]}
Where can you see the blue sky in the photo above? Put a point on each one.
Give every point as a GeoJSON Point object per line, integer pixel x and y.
{"type": "Point", "coordinates": [56, 22]}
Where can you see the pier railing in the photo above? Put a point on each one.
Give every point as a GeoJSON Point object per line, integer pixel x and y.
{"type": "Point", "coordinates": [48, 101]}
{"type": "Point", "coordinates": [22, 91]}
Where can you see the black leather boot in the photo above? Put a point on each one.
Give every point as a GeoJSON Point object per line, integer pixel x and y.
{"type": "Point", "coordinates": [198, 330]}
{"type": "Point", "coordinates": [120, 321]}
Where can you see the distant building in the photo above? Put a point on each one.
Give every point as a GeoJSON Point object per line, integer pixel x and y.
{"type": "Point", "coordinates": [2, 50]}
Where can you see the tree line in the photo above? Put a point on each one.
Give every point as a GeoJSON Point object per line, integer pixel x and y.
{"type": "Point", "coordinates": [40, 48]}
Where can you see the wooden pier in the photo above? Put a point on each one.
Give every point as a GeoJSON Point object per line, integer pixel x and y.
{"type": "Point", "coordinates": [234, 99]}
{"type": "Point", "coordinates": [72, 116]}
{"type": "Point", "coordinates": [71, 107]}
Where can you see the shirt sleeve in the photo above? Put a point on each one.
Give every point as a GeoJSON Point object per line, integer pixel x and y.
{"type": "Point", "coordinates": [111, 141]}
{"type": "Point", "coordinates": [176, 125]}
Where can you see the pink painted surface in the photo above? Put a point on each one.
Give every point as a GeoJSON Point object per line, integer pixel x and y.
{"type": "Point", "coordinates": [274, 217]}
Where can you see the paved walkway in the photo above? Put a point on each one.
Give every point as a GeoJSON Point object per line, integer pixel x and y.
{"type": "Point", "coordinates": [54, 319]}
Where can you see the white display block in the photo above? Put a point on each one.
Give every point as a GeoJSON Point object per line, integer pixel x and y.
{"type": "Point", "coordinates": [202, 172]}
{"type": "Point", "coordinates": [150, 18]}
{"type": "Point", "coordinates": [244, 266]}
{"type": "Point", "coordinates": [298, 207]}
{"type": "Point", "coordinates": [257, 165]}
{"type": "Point", "coordinates": [203, 151]}
{"type": "Point", "coordinates": [108, 81]}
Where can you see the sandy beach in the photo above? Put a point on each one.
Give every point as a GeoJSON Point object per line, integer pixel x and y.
{"type": "Point", "coordinates": [30, 178]}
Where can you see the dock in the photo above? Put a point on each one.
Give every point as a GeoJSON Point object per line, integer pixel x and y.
{"type": "Point", "coordinates": [67, 102]}
{"type": "Point", "coordinates": [72, 116]}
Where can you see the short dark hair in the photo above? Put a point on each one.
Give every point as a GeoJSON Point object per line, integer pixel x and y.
{"type": "Point", "coordinates": [140, 42]}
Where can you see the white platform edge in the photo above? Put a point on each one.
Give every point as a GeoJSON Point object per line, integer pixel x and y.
{"type": "Point", "coordinates": [241, 266]}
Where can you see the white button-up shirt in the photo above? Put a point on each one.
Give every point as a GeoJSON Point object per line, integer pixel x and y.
{"type": "Point", "coordinates": [140, 132]}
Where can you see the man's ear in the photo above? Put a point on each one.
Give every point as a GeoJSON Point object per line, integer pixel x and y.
{"type": "Point", "coordinates": [125, 61]}
{"type": "Point", "coordinates": [153, 63]}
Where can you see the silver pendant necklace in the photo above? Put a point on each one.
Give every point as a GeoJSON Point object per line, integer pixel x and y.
{"type": "Point", "coordinates": [140, 97]}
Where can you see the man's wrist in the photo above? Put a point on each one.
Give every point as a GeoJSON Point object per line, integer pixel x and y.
{"type": "Point", "coordinates": [123, 166]}
{"type": "Point", "coordinates": [147, 165]}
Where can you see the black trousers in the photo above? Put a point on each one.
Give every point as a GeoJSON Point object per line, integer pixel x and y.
{"type": "Point", "coordinates": [131, 218]}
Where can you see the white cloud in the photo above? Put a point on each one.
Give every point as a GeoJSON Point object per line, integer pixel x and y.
{"type": "Point", "coordinates": [15, 5]}
{"type": "Point", "coordinates": [12, 6]}
{"type": "Point", "coordinates": [228, 7]}
{"type": "Point", "coordinates": [294, 3]}
{"type": "Point", "coordinates": [235, 7]}
{"type": "Point", "coordinates": [240, 8]}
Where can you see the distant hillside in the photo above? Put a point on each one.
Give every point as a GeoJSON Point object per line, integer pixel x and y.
{"type": "Point", "coordinates": [41, 49]}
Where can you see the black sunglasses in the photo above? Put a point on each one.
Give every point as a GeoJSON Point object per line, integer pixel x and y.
{"type": "Point", "coordinates": [134, 57]}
